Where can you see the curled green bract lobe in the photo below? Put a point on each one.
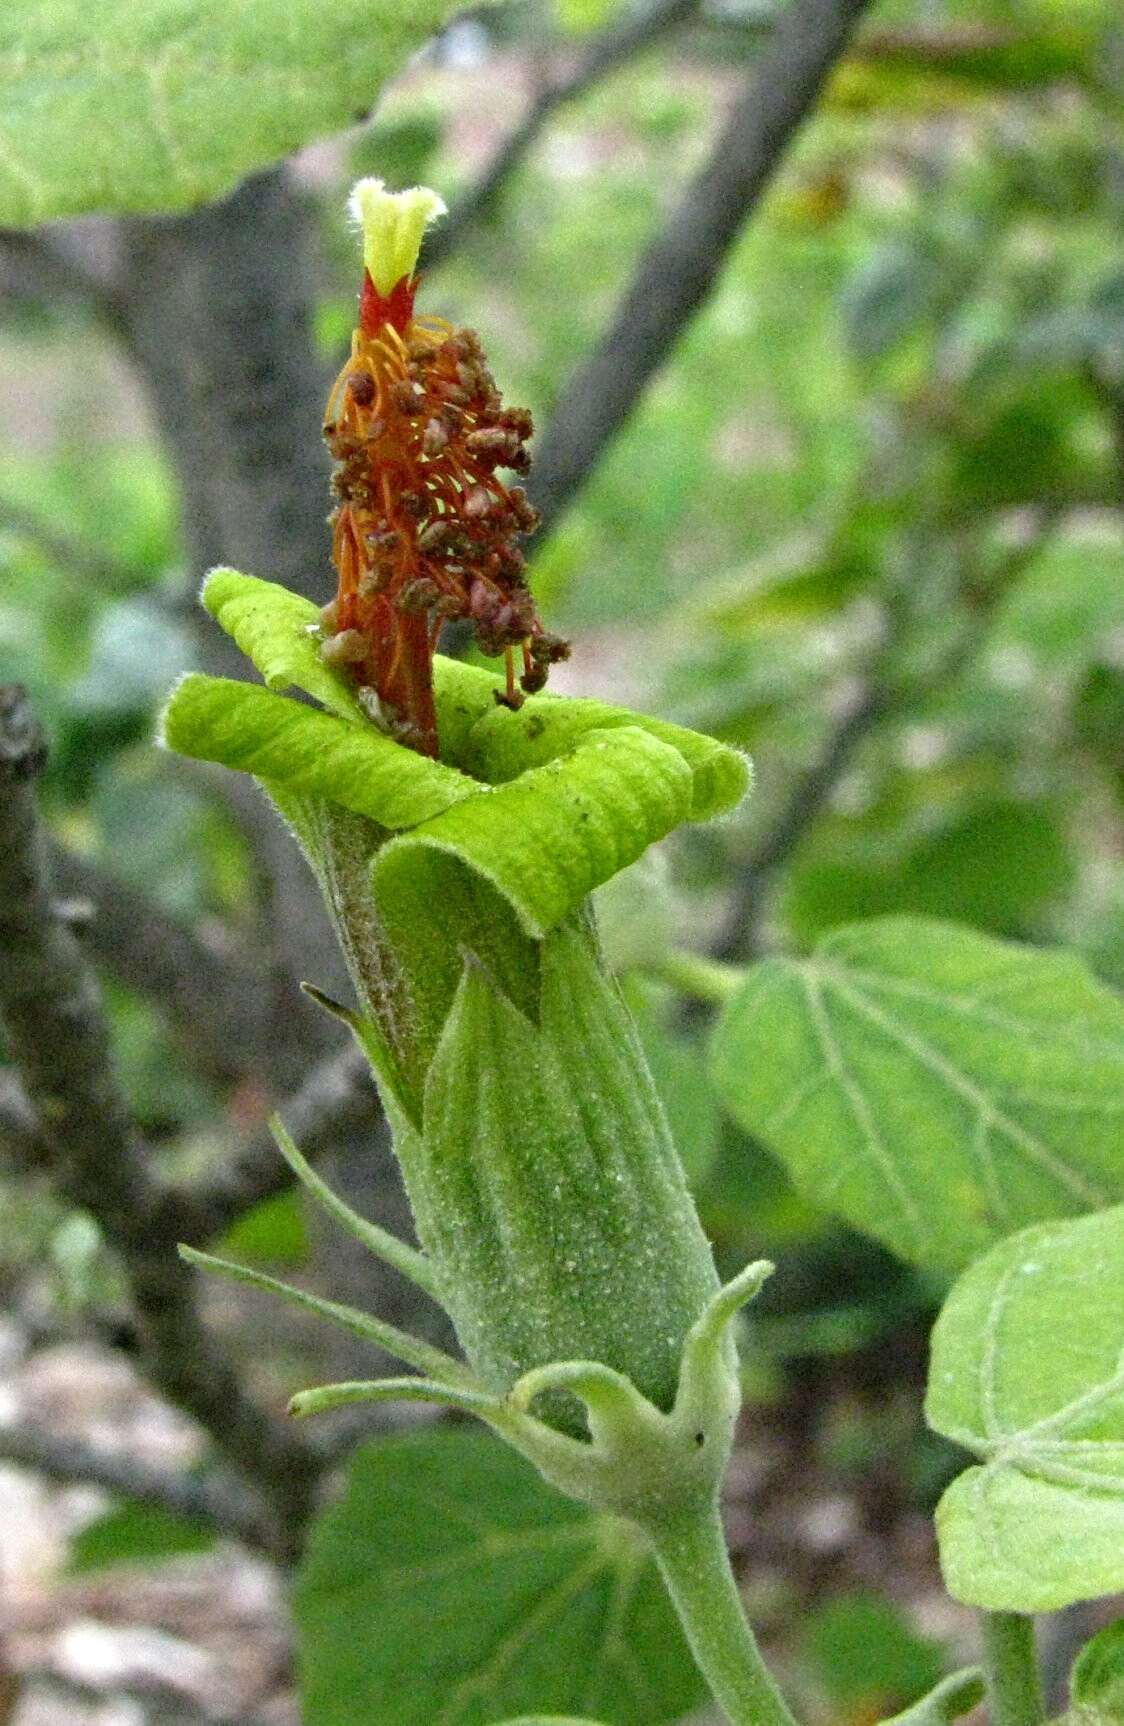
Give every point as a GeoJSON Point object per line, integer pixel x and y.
{"type": "Point", "coordinates": [277, 630]}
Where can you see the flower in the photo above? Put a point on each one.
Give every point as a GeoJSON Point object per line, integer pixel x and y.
{"type": "Point", "coordinates": [425, 530]}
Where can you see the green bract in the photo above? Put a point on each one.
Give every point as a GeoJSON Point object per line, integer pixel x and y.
{"type": "Point", "coordinates": [548, 1197]}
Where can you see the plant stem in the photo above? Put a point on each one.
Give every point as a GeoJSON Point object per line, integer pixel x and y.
{"type": "Point", "coordinates": [1010, 1660]}
{"type": "Point", "coordinates": [698, 977]}
{"type": "Point", "coordinates": [695, 1566]}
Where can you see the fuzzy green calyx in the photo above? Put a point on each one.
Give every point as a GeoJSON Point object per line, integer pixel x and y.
{"type": "Point", "coordinates": [562, 1213]}
{"type": "Point", "coordinates": [550, 1205]}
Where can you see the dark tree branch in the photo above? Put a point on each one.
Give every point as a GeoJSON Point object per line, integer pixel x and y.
{"type": "Point", "coordinates": [737, 938]}
{"type": "Point", "coordinates": [219, 309]}
{"type": "Point", "coordinates": [45, 268]}
{"type": "Point", "coordinates": [680, 268]}
{"type": "Point", "coordinates": [219, 306]}
{"type": "Point", "coordinates": [623, 41]}
{"type": "Point", "coordinates": [21, 1147]}
{"type": "Point", "coordinates": [57, 1037]}
{"type": "Point", "coordinates": [212, 1498]}
{"type": "Point", "coordinates": [336, 1100]}
{"type": "Point", "coordinates": [211, 998]}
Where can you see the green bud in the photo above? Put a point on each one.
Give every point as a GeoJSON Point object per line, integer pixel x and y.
{"type": "Point", "coordinates": [549, 1201]}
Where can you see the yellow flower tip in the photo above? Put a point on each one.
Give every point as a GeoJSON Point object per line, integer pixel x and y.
{"type": "Point", "coordinates": [392, 224]}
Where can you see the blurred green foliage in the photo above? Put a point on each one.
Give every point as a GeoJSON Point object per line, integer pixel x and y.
{"type": "Point", "coordinates": [888, 454]}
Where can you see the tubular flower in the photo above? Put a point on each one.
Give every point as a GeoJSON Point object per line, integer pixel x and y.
{"type": "Point", "coordinates": [425, 530]}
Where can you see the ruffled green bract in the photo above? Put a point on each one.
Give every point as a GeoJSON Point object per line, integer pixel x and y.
{"type": "Point", "coordinates": [544, 804]}
{"type": "Point", "coordinates": [498, 843]}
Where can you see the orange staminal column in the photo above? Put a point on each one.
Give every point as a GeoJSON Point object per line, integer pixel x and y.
{"type": "Point", "coordinates": [425, 530]}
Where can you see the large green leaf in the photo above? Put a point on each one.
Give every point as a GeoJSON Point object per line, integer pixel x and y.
{"type": "Point", "coordinates": [122, 105]}
{"type": "Point", "coordinates": [936, 1087]}
{"type": "Point", "coordinates": [451, 1587]}
{"type": "Point", "coordinates": [1028, 1373]}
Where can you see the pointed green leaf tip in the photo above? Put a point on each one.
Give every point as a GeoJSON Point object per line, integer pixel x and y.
{"type": "Point", "coordinates": [392, 225]}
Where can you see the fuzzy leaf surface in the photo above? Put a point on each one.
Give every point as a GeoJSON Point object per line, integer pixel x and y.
{"type": "Point", "coordinates": [936, 1087]}
{"type": "Point", "coordinates": [1027, 1372]}
{"type": "Point", "coordinates": [164, 104]}
{"type": "Point", "coordinates": [451, 1587]}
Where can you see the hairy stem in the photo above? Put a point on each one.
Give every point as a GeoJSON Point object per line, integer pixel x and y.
{"type": "Point", "coordinates": [1014, 1686]}
{"type": "Point", "coordinates": [691, 1553]}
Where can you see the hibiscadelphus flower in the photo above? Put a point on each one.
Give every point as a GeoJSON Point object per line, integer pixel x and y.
{"type": "Point", "coordinates": [425, 530]}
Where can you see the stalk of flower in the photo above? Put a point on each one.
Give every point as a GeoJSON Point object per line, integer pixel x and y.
{"type": "Point", "coordinates": [425, 531]}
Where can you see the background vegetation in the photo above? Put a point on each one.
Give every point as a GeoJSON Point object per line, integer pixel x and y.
{"type": "Point", "coordinates": [866, 521]}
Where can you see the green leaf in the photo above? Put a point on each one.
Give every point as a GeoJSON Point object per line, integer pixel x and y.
{"type": "Point", "coordinates": [272, 1232]}
{"type": "Point", "coordinates": [1097, 1681]}
{"type": "Point", "coordinates": [133, 1533]}
{"type": "Point", "coordinates": [1027, 1372]}
{"type": "Point", "coordinates": [451, 1587]}
{"type": "Point", "coordinates": [169, 103]}
{"type": "Point", "coordinates": [866, 1656]}
{"type": "Point", "coordinates": [936, 1087]}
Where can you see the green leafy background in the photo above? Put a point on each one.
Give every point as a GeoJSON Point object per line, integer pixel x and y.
{"type": "Point", "coordinates": [885, 453]}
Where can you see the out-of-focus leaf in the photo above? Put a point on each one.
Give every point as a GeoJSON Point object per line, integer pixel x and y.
{"type": "Point", "coordinates": [995, 866]}
{"type": "Point", "coordinates": [133, 1533]}
{"type": "Point", "coordinates": [637, 914]}
{"type": "Point", "coordinates": [451, 1584]}
{"type": "Point", "coordinates": [581, 16]}
{"type": "Point", "coordinates": [937, 1088]}
{"type": "Point", "coordinates": [273, 1232]}
{"type": "Point", "coordinates": [1028, 444]}
{"type": "Point", "coordinates": [865, 1655]}
{"type": "Point", "coordinates": [1096, 1685]}
{"type": "Point", "coordinates": [678, 1066]}
{"type": "Point", "coordinates": [890, 297]}
{"type": "Point", "coordinates": [1026, 1374]}
{"type": "Point", "coordinates": [138, 649]}
{"type": "Point", "coordinates": [164, 105]}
